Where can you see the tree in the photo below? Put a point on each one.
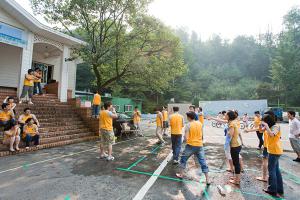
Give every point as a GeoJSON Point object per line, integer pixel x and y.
{"type": "Point", "coordinates": [123, 42]}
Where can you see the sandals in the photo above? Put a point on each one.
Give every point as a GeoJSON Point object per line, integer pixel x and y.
{"type": "Point", "coordinates": [261, 179]}
{"type": "Point", "coordinates": [234, 182]}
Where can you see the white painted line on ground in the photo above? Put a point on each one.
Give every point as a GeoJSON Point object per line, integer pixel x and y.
{"type": "Point", "coordinates": [59, 157]}
{"type": "Point", "coordinates": [244, 138]}
{"type": "Point", "coordinates": [142, 192]}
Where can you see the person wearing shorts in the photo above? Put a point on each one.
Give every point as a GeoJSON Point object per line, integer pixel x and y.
{"type": "Point", "coordinates": [159, 126]}
{"type": "Point", "coordinates": [106, 130]}
{"type": "Point", "coordinates": [165, 121]}
{"type": "Point", "coordinates": [28, 86]}
{"type": "Point", "coordinates": [294, 133]}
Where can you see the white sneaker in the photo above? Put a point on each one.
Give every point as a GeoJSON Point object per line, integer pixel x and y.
{"type": "Point", "coordinates": [30, 103]}
{"type": "Point", "coordinates": [20, 102]}
{"type": "Point", "coordinates": [26, 147]}
{"type": "Point", "coordinates": [17, 148]}
{"type": "Point", "coordinates": [110, 158]}
{"type": "Point", "coordinates": [12, 150]}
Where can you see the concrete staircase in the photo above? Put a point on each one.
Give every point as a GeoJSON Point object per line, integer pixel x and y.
{"type": "Point", "coordinates": [60, 123]}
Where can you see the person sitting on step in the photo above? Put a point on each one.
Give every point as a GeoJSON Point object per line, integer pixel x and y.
{"type": "Point", "coordinates": [12, 136]}
{"type": "Point", "coordinates": [11, 102]}
{"type": "Point", "coordinates": [27, 114]}
{"type": "Point", "coordinates": [6, 115]}
{"type": "Point", "coordinates": [30, 133]}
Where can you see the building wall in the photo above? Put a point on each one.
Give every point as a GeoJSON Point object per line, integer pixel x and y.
{"type": "Point", "coordinates": [72, 66]}
{"type": "Point", "coordinates": [6, 18]}
{"type": "Point", "coordinates": [10, 64]}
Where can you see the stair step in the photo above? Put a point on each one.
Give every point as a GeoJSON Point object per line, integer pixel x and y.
{"type": "Point", "coordinates": [58, 124]}
{"type": "Point", "coordinates": [61, 128]}
{"type": "Point", "coordinates": [66, 132]}
{"type": "Point", "coordinates": [50, 145]}
{"type": "Point", "coordinates": [65, 137]}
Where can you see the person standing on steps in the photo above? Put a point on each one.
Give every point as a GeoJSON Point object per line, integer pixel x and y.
{"type": "Point", "coordinates": [37, 82]}
{"type": "Point", "coordinates": [106, 130]}
{"type": "Point", "coordinates": [165, 120]}
{"type": "Point", "coordinates": [96, 105]}
{"type": "Point", "coordinates": [159, 126]}
{"type": "Point", "coordinates": [28, 86]}
{"type": "Point", "coordinates": [176, 124]}
{"type": "Point", "coordinates": [194, 146]}
{"type": "Point", "coordinates": [294, 133]}
{"type": "Point", "coordinates": [259, 132]}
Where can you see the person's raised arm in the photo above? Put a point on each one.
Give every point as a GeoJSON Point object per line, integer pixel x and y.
{"type": "Point", "coordinates": [270, 132]}
{"type": "Point", "coordinates": [217, 119]}
{"type": "Point", "coordinates": [113, 113]}
{"type": "Point", "coordinates": [36, 120]}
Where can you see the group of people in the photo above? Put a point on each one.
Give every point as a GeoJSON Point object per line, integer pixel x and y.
{"type": "Point", "coordinates": [32, 85]}
{"type": "Point", "coordinates": [25, 127]}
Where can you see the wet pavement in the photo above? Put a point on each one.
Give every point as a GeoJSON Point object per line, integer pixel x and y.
{"type": "Point", "coordinates": [74, 172]}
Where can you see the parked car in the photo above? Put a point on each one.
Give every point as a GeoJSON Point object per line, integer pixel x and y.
{"type": "Point", "coordinates": [122, 118]}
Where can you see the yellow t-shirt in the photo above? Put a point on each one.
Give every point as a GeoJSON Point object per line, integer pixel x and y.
{"type": "Point", "coordinates": [257, 123]}
{"type": "Point", "coordinates": [266, 137]}
{"type": "Point", "coordinates": [234, 140]}
{"type": "Point", "coordinates": [29, 82]}
{"type": "Point", "coordinates": [39, 76]}
{"type": "Point", "coordinates": [25, 117]}
{"type": "Point", "coordinates": [97, 100]}
{"type": "Point", "coordinates": [176, 124]}
{"type": "Point", "coordinates": [31, 130]}
{"type": "Point", "coordinates": [195, 134]}
{"type": "Point", "coordinates": [165, 115]}
{"type": "Point", "coordinates": [201, 119]}
{"type": "Point", "coordinates": [106, 121]}
{"type": "Point", "coordinates": [274, 142]}
{"type": "Point", "coordinates": [136, 117]}
{"type": "Point", "coordinates": [5, 116]}
{"type": "Point", "coordinates": [158, 120]}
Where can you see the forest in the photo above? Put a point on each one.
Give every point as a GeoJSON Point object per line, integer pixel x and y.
{"type": "Point", "coordinates": [133, 54]}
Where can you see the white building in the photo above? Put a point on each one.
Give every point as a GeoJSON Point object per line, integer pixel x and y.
{"type": "Point", "coordinates": [26, 43]}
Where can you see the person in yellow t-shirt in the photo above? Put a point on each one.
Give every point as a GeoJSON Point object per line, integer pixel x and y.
{"type": "Point", "coordinates": [235, 146]}
{"type": "Point", "coordinates": [137, 120]}
{"type": "Point", "coordinates": [176, 124]}
{"type": "Point", "coordinates": [159, 126]}
{"type": "Point", "coordinates": [28, 86]}
{"type": "Point", "coordinates": [275, 150]}
{"type": "Point", "coordinates": [96, 105]}
{"type": "Point", "coordinates": [37, 87]}
{"type": "Point", "coordinates": [259, 132]}
{"type": "Point", "coordinates": [11, 102]}
{"type": "Point", "coordinates": [12, 136]}
{"type": "Point", "coordinates": [194, 146]}
{"type": "Point", "coordinates": [6, 116]}
{"type": "Point", "coordinates": [26, 115]}
{"type": "Point", "coordinates": [165, 120]}
{"type": "Point", "coordinates": [31, 133]}
{"type": "Point", "coordinates": [106, 130]}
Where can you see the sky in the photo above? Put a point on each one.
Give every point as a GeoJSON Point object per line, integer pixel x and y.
{"type": "Point", "coordinates": [227, 18]}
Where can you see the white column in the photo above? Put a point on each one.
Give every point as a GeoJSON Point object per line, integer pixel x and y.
{"type": "Point", "coordinates": [26, 62]}
{"type": "Point", "coordinates": [63, 82]}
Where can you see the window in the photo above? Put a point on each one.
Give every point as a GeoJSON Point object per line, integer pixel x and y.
{"type": "Point", "coordinates": [117, 107]}
{"type": "Point", "coordinates": [128, 108]}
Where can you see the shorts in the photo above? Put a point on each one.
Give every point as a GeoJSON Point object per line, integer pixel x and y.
{"type": "Point", "coordinates": [295, 143]}
{"type": "Point", "coordinates": [165, 124]}
{"type": "Point", "coordinates": [107, 137]}
{"type": "Point", "coordinates": [27, 90]}
{"type": "Point", "coordinates": [265, 153]}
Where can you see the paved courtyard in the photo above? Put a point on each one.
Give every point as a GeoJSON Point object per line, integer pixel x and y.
{"type": "Point", "coordinates": [140, 170]}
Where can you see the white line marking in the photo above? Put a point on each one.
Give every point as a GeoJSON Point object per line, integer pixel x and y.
{"type": "Point", "coordinates": [244, 138]}
{"type": "Point", "coordinates": [142, 192]}
{"type": "Point", "coordinates": [47, 160]}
